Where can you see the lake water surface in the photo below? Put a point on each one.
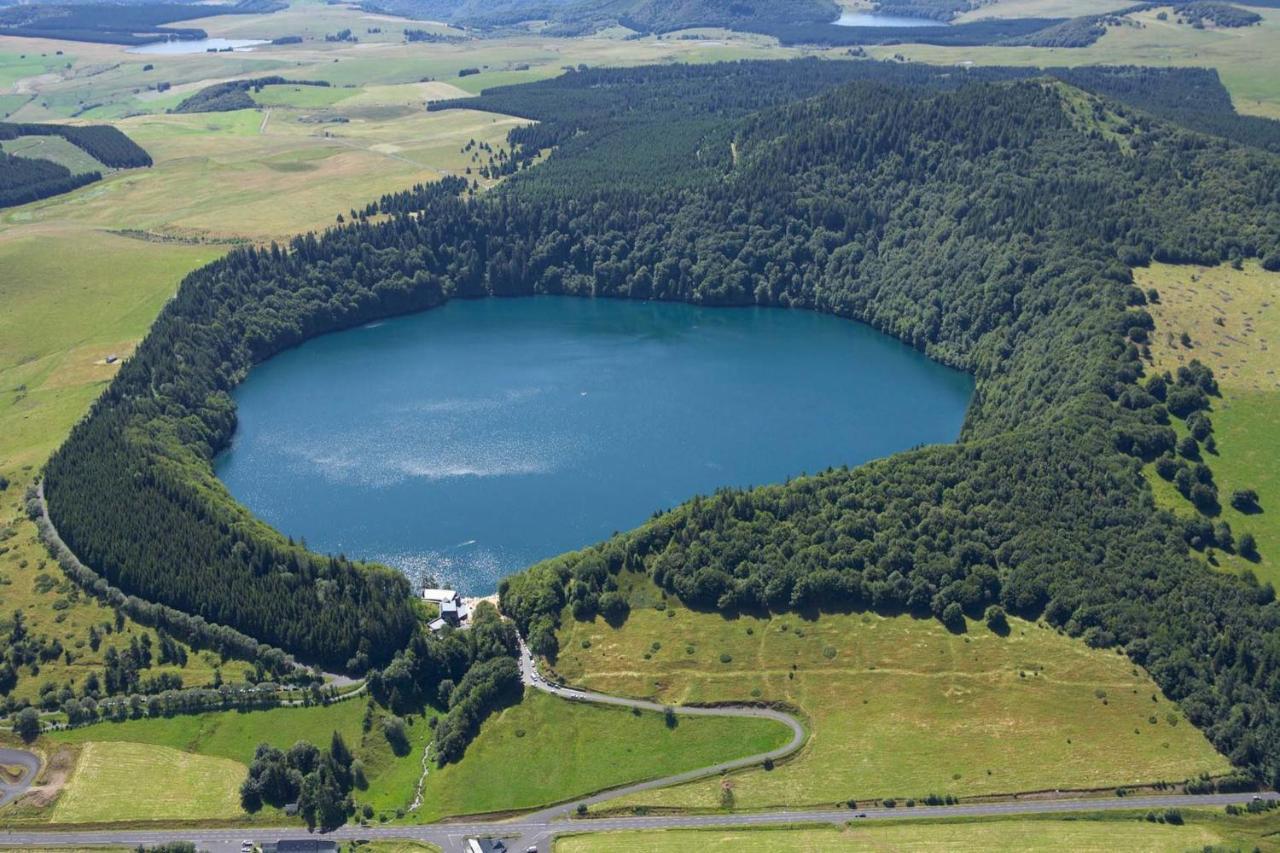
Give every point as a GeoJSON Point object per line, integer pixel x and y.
{"type": "Point", "coordinates": [874, 19]}
{"type": "Point", "coordinates": [472, 440]}
{"type": "Point", "coordinates": [175, 47]}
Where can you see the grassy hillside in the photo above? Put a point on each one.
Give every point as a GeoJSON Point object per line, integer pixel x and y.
{"type": "Point", "coordinates": [1232, 318]}
{"type": "Point", "coordinates": [53, 148]}
{"type": "Point", "coordinates": [899, 707]}
{"type": "Point", "coordinates": [591, 748]}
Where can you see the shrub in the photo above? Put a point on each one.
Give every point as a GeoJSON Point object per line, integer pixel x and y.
{"type": "Point", "coordinates": [1245, 500]}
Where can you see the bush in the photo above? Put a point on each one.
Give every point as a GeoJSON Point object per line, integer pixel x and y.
{"type": "Point", "coordinates": [1245, 500]}
{"type": "Point", "coordinates": [397, 735]}
{"type": "Point", "coordinates": [953, 617]}
{"type": "Point", "coordinates": [997, 621]}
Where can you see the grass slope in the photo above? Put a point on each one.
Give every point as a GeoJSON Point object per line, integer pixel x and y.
{"type": "Point", "coordinates": [53, 148]}
{"type": "Point", "coordinates": [144, 782]}
{"type": "Point", "coordinates": [229, 734]}
{"type": "Point", "coordinates": [898, 707]}
{"type": "Point", "coordinates": [1233, 318]}
{"type": "Point", "coordinates": [1094, 833]}
{"type": "Point", "coordinates": [546, 750]}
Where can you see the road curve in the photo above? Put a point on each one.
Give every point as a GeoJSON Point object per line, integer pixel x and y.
{"type": "Point", "coordinates": [532, 678]}
{"type": "Point", "coordinates": [30, 764]}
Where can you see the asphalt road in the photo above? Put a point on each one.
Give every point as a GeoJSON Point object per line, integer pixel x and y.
{"type": "Point", "coordinates": [29, 762]}
{"type": "Point", "coordinates": [531, 831]}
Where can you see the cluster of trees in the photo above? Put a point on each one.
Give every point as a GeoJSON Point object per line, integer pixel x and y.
{"type": "Point", "coordinates": [938, 10]}
{"type": "Point", "coordinates": [1192, 97]}
{"type": "Point", "coordinates": [579, 17]}
{"type": "Point", "coordinates": [319, 782]}
{"type": "Point", "coordinates": [1073, 32]}
{"type": "Point", "coordinates": [235, 94]}
{"type": "Point", "coordinates": [118, 23]}
{"type": "Point", "coordinates": [1198, 12]}
{"type": "Point", "coordinates": [472, 673]}
{"type": "Point", "coordinates": [429, 37]}
{"type": "Point", "coordinates": [22, 648]}
{"type": "Point", "coordinates": [25, 179]}
{"type": "Point", "coordinates": [485, 688]}
{"type": "Point", "coordinates": [967, 34]}
{"type": "Point", "coordinates": [980, 221]}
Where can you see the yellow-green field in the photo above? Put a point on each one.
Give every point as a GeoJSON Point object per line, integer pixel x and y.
{"type": "Point", "coordinates": [1093, 833]}
{"type": "Point", "coordinates": [148, 783]}
{"type": "Point", "coordinates": [1233, 318]}
{"type": "Point", "coordinates": [53, 148]}
{"type": "Point", "coordinates": [898, 707]}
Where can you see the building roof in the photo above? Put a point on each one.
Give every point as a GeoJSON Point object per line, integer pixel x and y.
{"type": "Point", "coordinates": [439, 595]}
{"type": "Point", "coordinates": [448, 607]}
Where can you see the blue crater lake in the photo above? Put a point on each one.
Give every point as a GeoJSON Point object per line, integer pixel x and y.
{"type": "Point", "coordinates": [467, 442]}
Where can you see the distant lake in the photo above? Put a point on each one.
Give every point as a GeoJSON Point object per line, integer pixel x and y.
{"type": "Point", "coordinates": [472, 440]}
{"type": "Point", "coordinates": [872, 19]}
{"type": "Point", "coordinates": [178, 46]}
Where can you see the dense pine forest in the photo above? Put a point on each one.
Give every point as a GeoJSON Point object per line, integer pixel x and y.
{"type": "Point", "coordinates": [989, 221]}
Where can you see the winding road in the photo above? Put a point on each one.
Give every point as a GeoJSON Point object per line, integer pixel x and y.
{"type": "Point", "coordinates": [532, 678]}
{"type": "Point", "coordinates": [539, 829]}
{"type": "Point", "coordinates": [30, 764]}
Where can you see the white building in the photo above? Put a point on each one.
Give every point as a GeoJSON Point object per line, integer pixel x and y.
{"type": "Point", "coordinates": [440, 596]}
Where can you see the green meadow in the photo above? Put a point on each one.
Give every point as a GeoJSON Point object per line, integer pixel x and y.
{"type": "Point", "coordinates": [897, 707]}
{"type": "Point", "coordinates": [550, 750]}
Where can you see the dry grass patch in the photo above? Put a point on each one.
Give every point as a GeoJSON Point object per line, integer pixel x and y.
{"type": "Point", "coordinates": [899, 707]}
{"type": "Point", "coordinates": [1231, 316]}
{"type": "Point", "coordinates": [132, 781]}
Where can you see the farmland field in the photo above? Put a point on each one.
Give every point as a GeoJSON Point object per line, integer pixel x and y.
{"type": "Point", "coordinates": [129, 781]}
{"type": "Point", "coordinates": [898, 707]}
